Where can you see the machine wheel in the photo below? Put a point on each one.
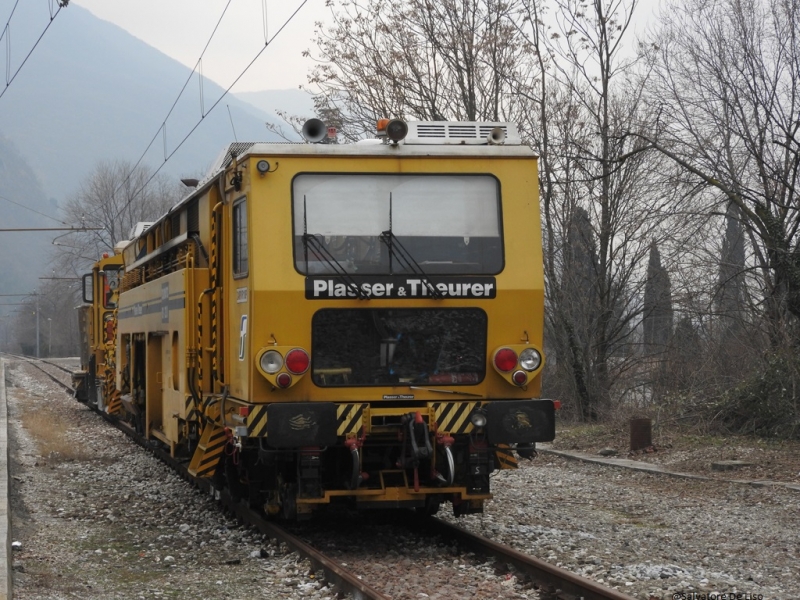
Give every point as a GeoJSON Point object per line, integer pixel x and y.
{"type": "Point", "coordinates": [238, 490]}
{"type": "Point", "coordinates": [431, 507]}
{"type": "Point", "coordinates": [289, 501]}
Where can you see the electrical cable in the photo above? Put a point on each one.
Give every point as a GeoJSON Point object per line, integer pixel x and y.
{"type": "Point", "coordinates": [32, 210]}
{"type": "Point", "coordinates": [213, 106]}
{"type": "Point", "coordinates": [11, 16]}
{"type": "Point", "coordinates": [7, 34]}
{"type": "Point", "coordinates": [163, 125]}
{"type": "Point", "coordinates": [162, 129]}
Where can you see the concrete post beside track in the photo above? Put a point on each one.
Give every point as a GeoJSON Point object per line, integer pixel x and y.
{"type": "Point", "coordinates": [5, 510]}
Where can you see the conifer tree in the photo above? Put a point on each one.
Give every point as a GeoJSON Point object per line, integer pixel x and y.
{"type": "Point", "coordinates": [729, 300]}
{"type": "Point", "coordinates": [657, 318]}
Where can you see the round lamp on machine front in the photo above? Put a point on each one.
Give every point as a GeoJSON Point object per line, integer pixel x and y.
{"type": "Point", "coordinates": [271, 361]}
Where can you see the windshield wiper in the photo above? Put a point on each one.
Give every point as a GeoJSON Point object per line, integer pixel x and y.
{"type": "Point", "coordinates": [318, 247]}
{"type": "Point", "coordinates": [312, 241]}
{"type": "Point", "coordinates": [404, 257]}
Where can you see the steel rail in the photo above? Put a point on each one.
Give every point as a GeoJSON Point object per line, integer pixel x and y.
{"type": "Point", "coordinates": [555, 583]}
{"type": "Point", "coordinates": [32, 361]}
{"type": "Point", "coordinates": [346, 581]}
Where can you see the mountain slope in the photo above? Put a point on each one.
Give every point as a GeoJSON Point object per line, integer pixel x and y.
{"type": "Point", "coordinates": [92, 92]}
{"type": "Point", "coordinates": [24, 205]}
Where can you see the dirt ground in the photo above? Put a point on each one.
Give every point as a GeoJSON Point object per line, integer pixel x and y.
{"type": "Point", "coordinates": [689, 452]}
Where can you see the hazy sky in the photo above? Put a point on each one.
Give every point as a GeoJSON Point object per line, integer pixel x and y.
{"type": "Point", "coordinates": [181, 28]}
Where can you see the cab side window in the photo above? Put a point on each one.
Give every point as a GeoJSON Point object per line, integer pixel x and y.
{"type": "Point", "coordinates": [240, 259]}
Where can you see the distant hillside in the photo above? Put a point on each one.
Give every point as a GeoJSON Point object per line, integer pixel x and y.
{"type": "Point", "coordinates": [23, 204]}
{"type": "Point", "coordinates": [91, 91]}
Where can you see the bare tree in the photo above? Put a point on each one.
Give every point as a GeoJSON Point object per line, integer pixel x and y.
{"type": "Point", "coordinates": [423, 59]}
{"type": "Point", "coordinates": [585, 100]}
{"type": "Point", "coordinates": [111, 200]}
{"type": "Point", "coordinates": [724, 79]}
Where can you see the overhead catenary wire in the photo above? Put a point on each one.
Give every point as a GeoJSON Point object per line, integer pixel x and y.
{"type": "Point", "coordinates": [213, 106]}
{"type": "Point", "coordinates": [7, 34]}
{"type": "Point", "coordinates": [162, 128]}
{"type": "Point", "coordinates": [32, 210]}
{"type": "Point", "coordinates": [80, 229]}
{"type": "Point", "coordinates": [230, 116]}
{"type": "Point", "coordinates": [266, 24]}
{"type": "Point", "coordinates": [11, 16]}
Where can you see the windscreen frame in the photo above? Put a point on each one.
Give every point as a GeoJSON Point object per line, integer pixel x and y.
{"type": "Point", "coordinates": [393, 219]}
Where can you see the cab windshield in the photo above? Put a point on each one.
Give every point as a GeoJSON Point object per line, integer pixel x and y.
{"type": "Point", "coordinates": [353, 223]}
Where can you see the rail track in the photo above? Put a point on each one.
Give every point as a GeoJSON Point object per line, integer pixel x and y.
{"type": "Point", "coordinates": [554, 583]}
{"type": "Point", "coordinates": [551, 582]}
{"type": "Point", "coordinates": [346, 581]}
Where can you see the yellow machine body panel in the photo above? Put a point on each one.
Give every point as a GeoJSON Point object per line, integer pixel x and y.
{"type": "Point", "coordinates": [315, 323]}
{"type": "Point", "coordinates": [97, 319]}
{"type": "Point", "coordinates": [269, 304]}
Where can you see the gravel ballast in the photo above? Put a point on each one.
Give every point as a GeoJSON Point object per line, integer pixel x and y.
{"type": "Point", "coordinates": [103, 519]}
{"type": "Point", "coordinates": [650, 536]}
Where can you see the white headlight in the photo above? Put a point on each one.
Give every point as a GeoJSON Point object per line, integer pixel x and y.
{"type": "Point", "coordinates": [271, 361]}
{"type": "Point", "coordinates": [530, 359]}
{"type": "Point", "coordinates": [478, 419]}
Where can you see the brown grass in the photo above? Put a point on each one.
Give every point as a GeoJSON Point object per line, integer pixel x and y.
{"type": "Point", "coordinates": [684, 449]}
{"type": "Point", "coordinates": [53, 442]}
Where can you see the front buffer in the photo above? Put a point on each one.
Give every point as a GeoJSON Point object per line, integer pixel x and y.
{"type": "Point", "coordinates": [291, 458]}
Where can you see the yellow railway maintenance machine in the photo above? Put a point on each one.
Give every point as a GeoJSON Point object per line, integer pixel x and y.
{"type": "Point", "coordinates": [95, 383]}
{"type": "Point", "coordinates": [320, 323]}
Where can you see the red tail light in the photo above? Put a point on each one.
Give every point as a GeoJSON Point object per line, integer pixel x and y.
{"type": "Point", "coordinates": [505, 359]}
{"type": "Point", "coordinates": [520, 377]}
{"type": "Point", "coordinates": [283, 380]}
{"type": "Point", "coordinates": [297, 361]}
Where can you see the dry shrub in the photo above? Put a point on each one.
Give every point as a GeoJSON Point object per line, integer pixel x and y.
{"type": "Point", "coordinates": [767, 403]}
{"type": "Point", "coordinates": [53, 442]}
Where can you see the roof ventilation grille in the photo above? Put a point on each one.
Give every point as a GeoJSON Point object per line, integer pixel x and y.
{"type": "Point", "coordinates": [459, 133]}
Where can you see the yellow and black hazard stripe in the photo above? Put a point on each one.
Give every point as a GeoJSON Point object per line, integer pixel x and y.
{"type": "Point", "coordinates": [114, 406]}
{"type": "Point", "coordinates": [257, 421]}
{"type": "Point", "coordinates": [112, 395]}
{"type": "Point", "coordinates": [216, 358]}
{"type": "Point", "coordinates": [211, 449]}
{"type": "Point", "coordinates": [200, 345]}
{"type": "Point", "coordinates": [191, 411]}
{"type": "Point", "coordinates": [453, 417]}
{"type": "Point", "coordinates": [505, 457]}
{"type": "Point", "coordinates": [349, 418]}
